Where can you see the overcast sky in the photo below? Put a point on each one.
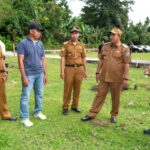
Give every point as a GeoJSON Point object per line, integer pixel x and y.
{"type": "Point", "coordinates": [141, 9]}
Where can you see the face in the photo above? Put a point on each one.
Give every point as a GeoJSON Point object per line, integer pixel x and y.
{"type": "Point", "coordinates": [114, 38]}
{"type": "Point", "coordinates": [74, 35]}
{"type": "Point", "coordinates": [35, 34]}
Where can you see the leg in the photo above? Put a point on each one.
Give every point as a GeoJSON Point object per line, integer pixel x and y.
{"type": "Point", "coordinates": [3, 101]}
{"type": "Point", "coordinates": [99, 99]}
{"type": "Point", "coordinates": [77, 86]}
{"type": "Point", "coordinates": [24, 100]}
{"type": "Point", "coordinates": [115, 94]}
{"type": "Point", "coordinates": [38, 90]}
{"type": "Point", "coordinates": [68, 84]}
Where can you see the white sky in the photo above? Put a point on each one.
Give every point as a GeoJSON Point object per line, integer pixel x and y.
{"type": "Point", "coordinates": [141, 9]}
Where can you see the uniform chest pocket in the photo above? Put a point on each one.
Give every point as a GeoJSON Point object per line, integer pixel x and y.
{"type": "Point", "coordinates": [105, 55]}
{"type": "Point", "coordinates": [69, 53]}
{"type": "Point", "coordinates": [117, 57]}
{"type": "Point", "coordinates": [116, 54]}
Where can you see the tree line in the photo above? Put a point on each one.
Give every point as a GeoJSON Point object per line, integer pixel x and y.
{"type": "Point", "coordinates": [97, 17]}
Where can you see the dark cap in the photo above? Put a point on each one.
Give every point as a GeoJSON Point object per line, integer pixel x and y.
{"type": "Point", "coordinates": [35, 26]}
{"type": "Point", "coordinates": [74, 29]}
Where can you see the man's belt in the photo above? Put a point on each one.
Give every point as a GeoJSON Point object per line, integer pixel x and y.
{"type": "Point", "coordinates": [74, 65]}
{"type": "Point", "coordinates": [2, 71]}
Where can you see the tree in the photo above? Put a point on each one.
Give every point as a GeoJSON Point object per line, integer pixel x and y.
{"type": "Point", "coordinates": [106, 13]}
{"type": "Point", "coordinates": [17, 14]}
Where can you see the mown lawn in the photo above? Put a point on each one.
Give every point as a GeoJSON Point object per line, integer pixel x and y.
{"type": "Point", "coordinates": [140, 56]}
{"type": "Point", "coordinates": [60, 132]}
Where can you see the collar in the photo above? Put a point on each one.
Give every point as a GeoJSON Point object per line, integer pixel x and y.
{"type": "Point", "coordinates": [115, 45]}
{"type": "Point", "coordinates": [29, 39]}
{"type": "Point", "coordinates": [73, 42]}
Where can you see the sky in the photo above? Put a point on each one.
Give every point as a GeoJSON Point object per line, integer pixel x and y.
{"type": "Point", "coordinates": [140, 10]}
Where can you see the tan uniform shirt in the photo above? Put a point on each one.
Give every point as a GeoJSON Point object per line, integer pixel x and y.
{"type": "Point", "coordinates": [73, 53]}
{"type": "Point", "coordinates": [2, 45]}
{"type": "Point", "coordinates": [1, 60]}
{"type": "Point", "coordinates": [114, 58]}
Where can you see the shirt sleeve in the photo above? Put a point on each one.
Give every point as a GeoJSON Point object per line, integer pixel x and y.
{"type": "Point", "coordinates": [20, 49]}
{"type": "Point", "coordinates": [1, 55]}
{"type": "Point", "coordinates": [43, 51]}
{"type": "Point", "coordinates": [63, 52]}
{"type": "Point", "coordinates": [101, 55]}
{"type": "Point", "coordinates": [2, 45]}
{"type": "Point", "coordinates": [126, 56]}
{"type": "Point", "coordinates": [83, 55]}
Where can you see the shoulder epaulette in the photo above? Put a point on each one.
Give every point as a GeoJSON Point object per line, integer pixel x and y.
{"type": "Point", "coordinates": [66, 42]}
{"type": "Point", "coordinates": [124, 45]}
{"type": "Point", "coordinates": [107, 43]}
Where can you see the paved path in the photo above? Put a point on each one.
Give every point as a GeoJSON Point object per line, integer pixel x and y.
{"type": "Point", "coordinates": [92, 60]}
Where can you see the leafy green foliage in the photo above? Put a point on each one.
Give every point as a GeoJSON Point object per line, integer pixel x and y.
{"type": "Point", "coordinates": [106, 14]}
{"type": "Point", "coordinates": [44, 12]}
{"type": "Point", "coordinates": [98, 17]}
{"type": "Point", "coordinates": [139, 33]}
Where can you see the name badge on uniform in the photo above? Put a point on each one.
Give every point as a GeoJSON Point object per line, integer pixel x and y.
{"type": "Point", "coordinates": [127, 53]}
{"type": "Point", "coordinates": [69, 54]}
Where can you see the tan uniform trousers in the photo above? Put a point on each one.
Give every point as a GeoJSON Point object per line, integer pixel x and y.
{"type": "Point", "coordinates": [72, 82]}
{"type": "Point", "coordinates": [3, 101]}
{"type": "Point", "coordinates": [103, 89]}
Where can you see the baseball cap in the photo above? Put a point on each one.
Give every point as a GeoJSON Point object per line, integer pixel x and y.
{"type": "Point", "coordinates": [36, 26]}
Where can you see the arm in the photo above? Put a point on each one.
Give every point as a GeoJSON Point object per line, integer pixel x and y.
{"type": "Point", "coordinates": [45, 70]}
{"type": "Point", "coordinates": [126, 61]}
{"type": "Point", "coordinates": [126, 71]}
{"type": "Point", "coordinates": [4, 66]}
{"type": "Point", "coordinates": [62, 68]}
{"type": "Point", "coordinates": [22, 70]}
{"type": "Point", "coordinates": [84, 66]}
{"type": "Point", "coordinates": [125, 74]}
{"type": "Point", "coordinates": [99, 67]}
{"type": "Point", "coordinates": [5, 74]}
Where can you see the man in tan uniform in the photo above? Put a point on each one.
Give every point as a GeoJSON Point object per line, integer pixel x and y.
{"type": "Point", "coordinates": [112, 71]}
{"type": "Point", "coordinates": [5, 114]}
{"type": "Point", "coordinates": [73, 70]}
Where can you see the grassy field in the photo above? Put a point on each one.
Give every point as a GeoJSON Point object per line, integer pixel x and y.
{"type": "Point", "coordinates": [140, 56]}
{"type": "Point", "coordinates": [60, 132]}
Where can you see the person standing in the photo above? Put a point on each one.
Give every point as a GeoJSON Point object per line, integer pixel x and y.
{"type": "Point", "coordinates": [32, 65]}
{"type": "Point", "coordinates": [112, 71]}
{"type": "Point", "coordinates": [72, 70]}
{"type": "Point", "coordinates": [4, 112]}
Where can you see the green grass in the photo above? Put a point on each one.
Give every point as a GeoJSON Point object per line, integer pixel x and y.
{"type": "Point", "coordinates": [140, 56]}
{"type": "Point", "coordinates": [59, 132]}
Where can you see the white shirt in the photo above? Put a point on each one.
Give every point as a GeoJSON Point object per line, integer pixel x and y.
{"type": "Point", "coordinates": [35, 41]}
{"type": "Point", "coordinates": [2, 45]}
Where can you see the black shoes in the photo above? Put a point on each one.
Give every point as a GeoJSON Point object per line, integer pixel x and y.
{"type": "Point", "coordinates": [77, 110]}
{"type": "Point", "coordinates": [65, 111]}
{"type": "Point", "coordinates": [86, 118]}
{"type": "Point", "coordinates": [113, 120]}
{"type": "Point", "coordinates": [146, 131]}
{"type": "Point", "coordinates": [10, 119]}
